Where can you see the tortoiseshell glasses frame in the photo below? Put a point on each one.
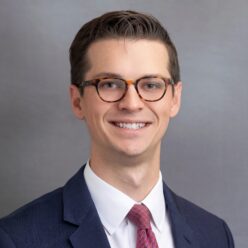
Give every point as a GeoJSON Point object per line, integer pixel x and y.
{"type": "Point", "coordinates": [113, 89]}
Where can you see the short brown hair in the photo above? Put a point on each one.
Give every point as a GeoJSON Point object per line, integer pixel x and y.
{"type": "Point", "coordinates": [119, 24]}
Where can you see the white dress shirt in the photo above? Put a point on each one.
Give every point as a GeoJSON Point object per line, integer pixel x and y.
{"type": "Point", "coordinates": [113, 205]}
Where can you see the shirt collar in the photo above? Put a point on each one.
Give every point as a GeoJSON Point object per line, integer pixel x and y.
{"type": "Point", "coordinates": [107, 198]}
{"type": "Point", "coordinates": [156, 204]}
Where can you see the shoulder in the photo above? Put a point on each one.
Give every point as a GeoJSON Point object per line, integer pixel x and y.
{"type": "Point", "coordinates": [35, 223]}
{"type": "Point", "coordinates": [193, 212]}
{"type": "Point", "coordinates": [204, 224]}
{"type": "Point", "coordinates": [36, 209]}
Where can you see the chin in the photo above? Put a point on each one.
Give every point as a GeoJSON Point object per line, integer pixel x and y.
{"type": "Point", "coordinates": [132, 152]}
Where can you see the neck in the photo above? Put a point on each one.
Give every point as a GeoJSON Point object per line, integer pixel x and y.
{"type": "Point", "coordinates": [134, 176]}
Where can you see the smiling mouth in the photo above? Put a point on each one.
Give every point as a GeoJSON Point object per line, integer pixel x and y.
{"type": "Point", "coordinates": [130, 125]}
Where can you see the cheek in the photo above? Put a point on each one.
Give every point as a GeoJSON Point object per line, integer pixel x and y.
{"type": "Point", "coordinates": [94, 116]}
{"type": "Point", "coordinates": [164, 122]}
{"type": "Point", "coordinates": [162, 110]}
{"type": "Point", "coordinates": [90, 106]}
{"type": "Point", "coordinates": [163, 117]}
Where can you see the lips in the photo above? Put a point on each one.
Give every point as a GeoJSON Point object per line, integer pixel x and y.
{"type": "Point", "coordinates": [130, 125]}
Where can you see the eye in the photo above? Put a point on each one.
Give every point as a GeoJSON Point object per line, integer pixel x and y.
{"type": "Point", "coordinates": [108, 85]}
{"type": "Point", "coordinates": [152, 84]}
{"type": "Point", "coordinates": [111, 84]}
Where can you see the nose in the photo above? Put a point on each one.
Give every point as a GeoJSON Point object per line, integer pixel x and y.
{"type": "Point", "coordinates": [131, 101]}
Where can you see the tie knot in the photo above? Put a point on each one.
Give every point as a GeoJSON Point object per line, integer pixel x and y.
{"type": "Point", "coordinates": [140, 216]}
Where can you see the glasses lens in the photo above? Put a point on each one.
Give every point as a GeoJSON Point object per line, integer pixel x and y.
{"type": "Point", "coordinates": [152, 89]}
{"type": "Point", "coordinates": [111, 89]}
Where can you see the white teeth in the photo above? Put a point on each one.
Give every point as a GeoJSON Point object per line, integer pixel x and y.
{"type": "Point", "coordinates": [130, 125]}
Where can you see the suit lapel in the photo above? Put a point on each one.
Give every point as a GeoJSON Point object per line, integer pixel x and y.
{"type": "Point", "coordinates": [183, 235]}
{"type": "Point", "coordinates": [80, 210]}
{"type": "Point", "coordinates": [90, 233]}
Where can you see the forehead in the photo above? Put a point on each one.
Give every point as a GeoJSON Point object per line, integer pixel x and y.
{"type": "Point", "coordinates": [127, 57]}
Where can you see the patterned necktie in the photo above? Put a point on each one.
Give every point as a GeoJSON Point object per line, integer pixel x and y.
{"type": "Point", "coordinates": [139, 215]}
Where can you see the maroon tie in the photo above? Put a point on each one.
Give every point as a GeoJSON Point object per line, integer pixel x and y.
{"type": "Point", "coordinates": [139, 215]}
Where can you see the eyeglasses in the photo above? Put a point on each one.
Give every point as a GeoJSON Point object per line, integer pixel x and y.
{"type": "Point", "coordinates": [150, 89]}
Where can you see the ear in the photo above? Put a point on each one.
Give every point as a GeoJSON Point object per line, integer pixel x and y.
{"type": "Point", "coordinates": [76, 102]}
{"type": "Point", "coordinates": [176, 99]}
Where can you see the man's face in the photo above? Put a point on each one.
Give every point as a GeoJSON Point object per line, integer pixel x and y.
{"type": "Point", "coordinates": [113, 126]}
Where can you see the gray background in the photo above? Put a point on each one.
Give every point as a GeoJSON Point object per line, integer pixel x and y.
{"type": "Point", "coordinates": [204, 156]}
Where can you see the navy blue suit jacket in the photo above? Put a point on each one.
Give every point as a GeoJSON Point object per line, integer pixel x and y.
{"type": "Point", "coordinates": [67, 217]}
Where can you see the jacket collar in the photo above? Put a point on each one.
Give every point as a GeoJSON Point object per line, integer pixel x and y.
{"type": "Point", "coordinates": [80, 210]}
{"type": "Point", "coordinates": [183, 235]}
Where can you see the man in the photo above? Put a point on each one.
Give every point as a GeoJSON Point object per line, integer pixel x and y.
{"type": "Point", "coordinates": [126, 87]}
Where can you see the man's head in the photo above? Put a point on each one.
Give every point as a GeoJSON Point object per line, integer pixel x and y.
{"type": "Point", "coordinates": [119, 25]}
{"type": "Point", "coordinates": [126, 66]}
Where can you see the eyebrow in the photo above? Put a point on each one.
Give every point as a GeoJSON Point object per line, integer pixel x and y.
{"type": "Point", "coordinates": [107, 74]}
{"type": "Point", "coordinates": [116, 75]}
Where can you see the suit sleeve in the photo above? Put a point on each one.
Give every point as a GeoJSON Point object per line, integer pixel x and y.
{"type": "Point", "coordinates": [5, 240]}
{"type": "Point", "coordinates": [229, 236]}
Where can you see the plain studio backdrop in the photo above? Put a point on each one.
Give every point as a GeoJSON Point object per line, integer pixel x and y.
{"type": "Point", "coordinates": [204, 155]}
